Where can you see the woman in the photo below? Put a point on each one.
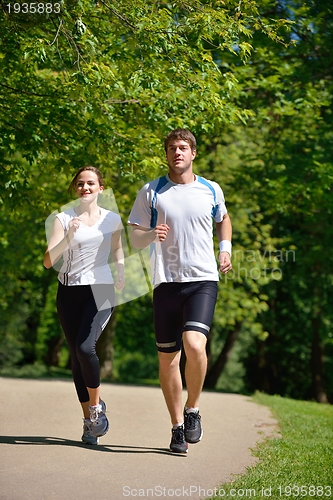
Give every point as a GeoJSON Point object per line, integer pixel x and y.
{"type": "Point", "coordinates": [84, 236]}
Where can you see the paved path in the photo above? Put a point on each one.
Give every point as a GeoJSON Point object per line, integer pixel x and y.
{"type": "Point", "coordinates": [41, 456]}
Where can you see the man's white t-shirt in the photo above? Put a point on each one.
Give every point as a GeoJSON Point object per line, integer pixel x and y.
{"type": "Point", "coordinates": [86, 257]}
{"type": "Point", "coordinates": [187, 253]}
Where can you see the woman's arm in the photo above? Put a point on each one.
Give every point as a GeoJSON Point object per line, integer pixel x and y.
{"type": "Point", "coordinates": [59, 241]}
{"type": "Point", "coordinates": [57, 245]}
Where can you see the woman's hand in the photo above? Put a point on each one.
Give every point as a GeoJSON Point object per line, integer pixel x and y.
{"type": "Point", "coordinates": [73, 226]}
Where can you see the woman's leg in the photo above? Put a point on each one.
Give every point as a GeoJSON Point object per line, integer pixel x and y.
{"type": "Point", "coordinates": [82, 324]}
{"type": "Point", "coordinates": [97, 311]}
{"type": "Point", "coordinates": [92, 325]}
{"type": "Point", "coordinates": [70, 316]}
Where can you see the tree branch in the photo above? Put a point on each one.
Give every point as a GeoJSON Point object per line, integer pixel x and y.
{"type": "Point", "coordinates": [118, 15]}
{"type": "Point", "coordinates": [19, 91]}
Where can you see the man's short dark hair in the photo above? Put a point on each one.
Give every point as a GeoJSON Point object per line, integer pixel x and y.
{"type": "Point", "coordinates": [181, 134]}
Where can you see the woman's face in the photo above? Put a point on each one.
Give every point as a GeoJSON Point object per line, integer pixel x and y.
{"type": "Point", "coordinates": [87, 186]}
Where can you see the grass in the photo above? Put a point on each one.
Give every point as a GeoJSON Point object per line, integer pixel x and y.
{"type": "Point", "coordinates": [299, 463]}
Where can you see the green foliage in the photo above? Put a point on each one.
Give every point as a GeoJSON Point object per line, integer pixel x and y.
{"type": "Point", "coordinates": [233, 377]}
{"type": "Point", "coordinates": [102, 76]}
{"type": "Point", "coordinates": [49, 333]}
{"type": "Point", "coordinates": [102, 83]}
{"type": "Point", "coordinates": [98, 83]}
{"type": "Point", "coordinates": [292, 138]}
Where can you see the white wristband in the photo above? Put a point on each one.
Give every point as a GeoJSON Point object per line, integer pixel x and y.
{"type": "Point", "coordinates": [225, 246]}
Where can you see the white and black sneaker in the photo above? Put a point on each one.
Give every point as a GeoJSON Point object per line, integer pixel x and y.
{"type": "Point", "coordinates": [87, 436]}
{"type": "Point", "coordinates": [99, 421]}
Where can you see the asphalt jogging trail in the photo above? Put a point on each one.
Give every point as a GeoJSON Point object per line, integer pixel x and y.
{"type": "Point", "coordinates": [42, 456]}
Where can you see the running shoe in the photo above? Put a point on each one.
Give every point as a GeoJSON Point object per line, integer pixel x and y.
{"type": "Point", "coordinates": [103, 405]}
{"type": "Point", "coordinates": [192, 427]}
{"type": "Point", "coordinates": [178, 443]}
{"type": "Point", "coordinates": [87, 436]}
{"type": "Point", "coordinates": [99, 422]}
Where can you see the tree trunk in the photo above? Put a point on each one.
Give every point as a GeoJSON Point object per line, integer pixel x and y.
{"type": "Point", "coordinates": [317, 357]}
{"type": "Point", "coordinates": [104, 348]}
{"type": "Point", "coordinates": [217, 368]}
{"type": "Point", "coordinates": [54, 346]}
{"type": "Point", "coordinates": [208, 346]}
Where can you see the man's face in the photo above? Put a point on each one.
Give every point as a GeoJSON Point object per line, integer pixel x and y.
{"type": "Point", "coordinates": [179, 156]}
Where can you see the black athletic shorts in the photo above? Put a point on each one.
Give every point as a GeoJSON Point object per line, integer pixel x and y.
{"type": "Point", "coordinates": [180, 307]}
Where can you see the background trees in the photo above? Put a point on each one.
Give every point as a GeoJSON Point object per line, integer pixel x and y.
{"type": "Point", "coordinates": [289, 152]}
{"type": "Point", "coordinates": [102, 83]}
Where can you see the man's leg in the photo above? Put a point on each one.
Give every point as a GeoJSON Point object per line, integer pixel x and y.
{"type": "Point", "coordinates": [195, 372]}
{"type": "Point", "coordinates": [171, 384]}
{"type": "Point", "coordinates": [196, 366]}
{"type": "Point", "coordinates": [172, 387]}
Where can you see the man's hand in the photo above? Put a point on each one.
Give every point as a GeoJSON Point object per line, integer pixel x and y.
{"type": "Point", "coordinates": [120, 281]}
{"type": "Point", "coordinates": [225, 264]}
{"type": "Point", "coordinates": [143, 237]}
{"type": "Point", "coordinates": [161, 232]}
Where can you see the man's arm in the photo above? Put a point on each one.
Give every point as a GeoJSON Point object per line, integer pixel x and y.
{"type": "Point", "coordinates": [142, 237]}
{"type": "Point", "coordinates": [118, 258]}
{"type": "Point", "coordinates": [224, 233]}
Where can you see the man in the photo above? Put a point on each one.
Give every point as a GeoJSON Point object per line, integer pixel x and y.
{"type": "Point", "coordinates": [174, 215]}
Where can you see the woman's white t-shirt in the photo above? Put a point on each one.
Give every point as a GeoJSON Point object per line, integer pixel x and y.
{"type": "Point", "coordinates": [85, 261]}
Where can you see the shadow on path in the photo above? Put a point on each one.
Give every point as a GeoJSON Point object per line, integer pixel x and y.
{"type": "Point", "coordinates": [114, 448]}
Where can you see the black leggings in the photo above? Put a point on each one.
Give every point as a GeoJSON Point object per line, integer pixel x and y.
{"type": "Point", "coordinates": [84, 311]}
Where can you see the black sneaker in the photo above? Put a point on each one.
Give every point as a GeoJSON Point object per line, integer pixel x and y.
{"type": "Point", "coordinates": [192, 427]}
{"type": "Point", "coordinates": [178, 443]}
